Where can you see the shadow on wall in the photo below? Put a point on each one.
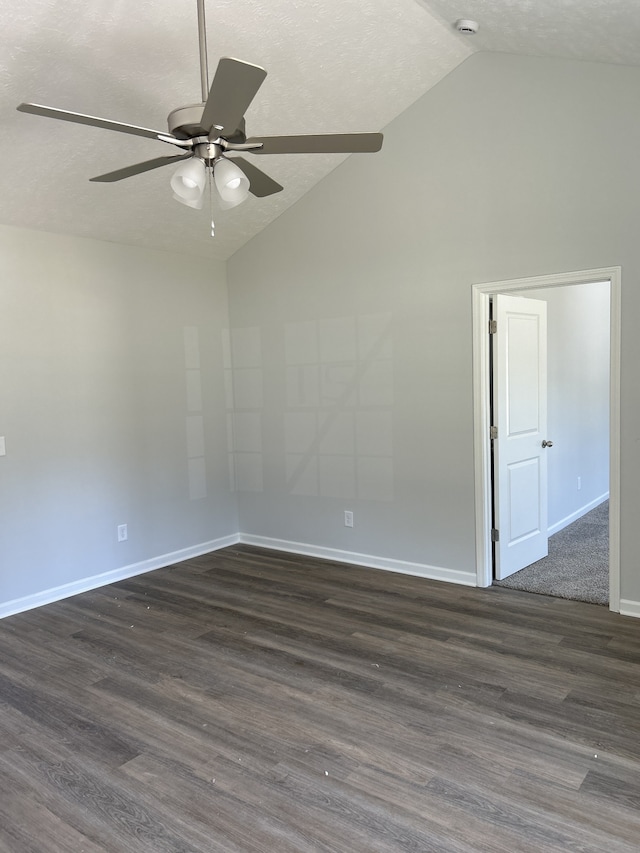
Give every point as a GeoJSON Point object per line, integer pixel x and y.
{"type": "Point", "coordinates": [337, 430]}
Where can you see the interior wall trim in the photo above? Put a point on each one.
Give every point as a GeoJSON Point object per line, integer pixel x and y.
{"type": "Point", "coordinates": [57, 593]}
{"type": "Point", "coordinates": [629, 608]}
{"type": "Point", "coordinates": [370, 561]}
{"type": "Point", "coordinates": [480, 294]}
{"type": "Point", "coordinates": [574, 516]}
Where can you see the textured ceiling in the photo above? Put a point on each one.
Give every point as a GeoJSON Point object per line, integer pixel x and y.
{"type": "Point", "coordinates": [590, 30]}
{"type": "Point", "coordinates": [333, 66]}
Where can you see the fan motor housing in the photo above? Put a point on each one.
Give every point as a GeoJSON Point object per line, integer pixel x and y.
{"type": "Point", "coordinates": [184, 123]}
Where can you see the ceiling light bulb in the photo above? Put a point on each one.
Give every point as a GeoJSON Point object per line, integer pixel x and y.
{"type": "Point", "coordinates": [188, 180]}
{"type": "Point", "coordinates": [231, 182]}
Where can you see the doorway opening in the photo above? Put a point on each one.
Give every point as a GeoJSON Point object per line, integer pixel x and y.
{"type": "Point", "coordinates": [482, 294]}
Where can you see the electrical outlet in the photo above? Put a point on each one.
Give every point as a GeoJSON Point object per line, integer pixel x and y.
{"type": "Point", "coordinates": [122, 533]}
{"type": "Point", "coordinates": [579, 483]}
{"type": "Point", "coordinates": [348, 518]}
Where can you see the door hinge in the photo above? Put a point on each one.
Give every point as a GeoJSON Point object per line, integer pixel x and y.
{"type": "Point", "coordinates": [495, 535]}
{"type": "Point", "coordinates": [493, 327]}
{"type": "Point", "coordinates": [493, 432]}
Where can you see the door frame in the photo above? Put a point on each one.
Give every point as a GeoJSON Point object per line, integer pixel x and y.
{"type": "Point", "coordinates": [481, 294]}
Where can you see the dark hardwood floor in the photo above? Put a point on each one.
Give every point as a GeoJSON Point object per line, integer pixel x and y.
{"type": "Point", "coordinates": [257, 702]}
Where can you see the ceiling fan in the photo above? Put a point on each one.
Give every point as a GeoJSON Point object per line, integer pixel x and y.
{"type": "Point", "coordinates": [208, 132]}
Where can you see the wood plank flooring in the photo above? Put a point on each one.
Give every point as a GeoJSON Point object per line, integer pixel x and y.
{"type": "Point", "coordinates": [257, 702]}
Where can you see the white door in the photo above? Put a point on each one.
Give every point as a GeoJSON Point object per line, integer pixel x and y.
{"type": "Point", "coordinates": [520, 449]}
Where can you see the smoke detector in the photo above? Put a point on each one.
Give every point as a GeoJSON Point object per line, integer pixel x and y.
{"type": "Point", "coordinates": [466, 27]}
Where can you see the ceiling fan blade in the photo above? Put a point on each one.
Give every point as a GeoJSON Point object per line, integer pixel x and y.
{"type": "Point", "coordinates": [139, 168]}
{"type": "Point", "coordinates": [324, 143]}
{"type": "Point", "coordinates": [234, 87]}
{"type": "Point", "coordinates": [260, 185]}
{"type": "Point", "coordinates": [80, 118]}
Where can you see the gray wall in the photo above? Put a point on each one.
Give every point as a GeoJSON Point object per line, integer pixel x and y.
{"type": "Point", "coordinates": [578, 398]}
{"type": "Point", "coordinates": [108, 415]}
{"type": "Point", "coordinates": [510, 167]}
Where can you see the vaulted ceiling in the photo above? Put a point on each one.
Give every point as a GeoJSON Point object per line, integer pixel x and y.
{"type": "Point", "coordinates": [333, 66]}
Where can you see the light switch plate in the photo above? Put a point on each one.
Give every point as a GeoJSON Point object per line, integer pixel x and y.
{"type": "Point", "coordinates": [3, 447]}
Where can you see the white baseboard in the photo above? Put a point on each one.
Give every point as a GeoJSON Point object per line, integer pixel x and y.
{"type": "Point", "coordinates": [629, 608]}
{"type": "Point", "coordinates": [421, 570]}
{"type": "Point", "coordinates": [48, 596]}
{"type": "Point", "coordinates": [574, 516]}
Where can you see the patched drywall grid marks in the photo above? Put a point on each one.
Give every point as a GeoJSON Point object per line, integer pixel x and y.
{"type": "Point", "coordinates": [194, 420]}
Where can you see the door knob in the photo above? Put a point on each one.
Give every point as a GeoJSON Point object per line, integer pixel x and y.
{"type": "Point", "coordinates": [546, 443]}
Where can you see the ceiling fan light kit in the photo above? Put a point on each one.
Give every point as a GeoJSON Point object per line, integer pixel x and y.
{"type": "Point", "coordinates": [207, 133]}
{"type": "Point", "coordinates": [189, 179]}
{"type": "Point", "coordinates": [231, 182]}
{"type": "Point", "coordinates": [196, 204]}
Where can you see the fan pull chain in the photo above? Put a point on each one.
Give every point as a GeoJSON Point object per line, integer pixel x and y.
{"type": "Point", "coordinates": [213, 226]}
